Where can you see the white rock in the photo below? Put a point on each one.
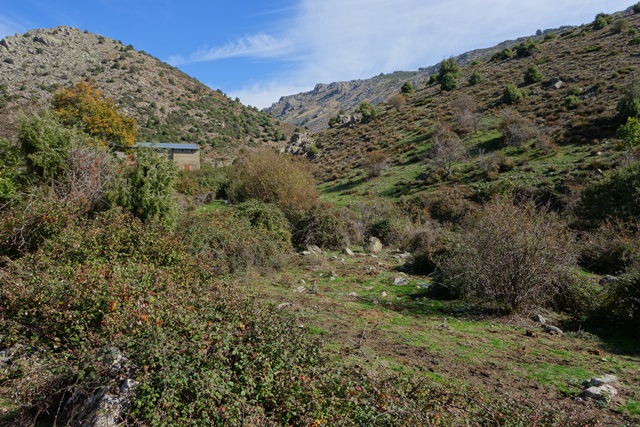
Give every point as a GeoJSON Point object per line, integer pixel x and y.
{"type": "Point", "coordinates": [603, 392]}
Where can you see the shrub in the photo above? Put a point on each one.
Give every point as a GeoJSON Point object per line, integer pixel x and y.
{"type": "Point", "coordinates": [407, 88]}
{"type": "Point", "coordinates": [396, 101]}
{"type": "Point", "coordinates": [465, 114]}
{"type": "Point", "coordinates": [580, 293]}
{"type": "Point", "coordinates": [601, 21]}
{"type": "Point", "coordinates": [621, 302]}
{"type": "Point", "coordinates": [448, 74]}
{"type": "Point", "coordinates": [629, 104]}
{"type": "Point", "coordinates": [511, 94]}
{"type": "Point", "coordinates": [270, 177]}
{"type": "Point", "coordinates": [506, 53]}
{"type": "Point", "coordinates": [571, 101]}
{"type": "Point", "coordinates": [526, 49]}
{"type": "Point", "coordinates": [476, 78]}
{"type": "Point", "coordinates": [619, 26]}
{"type": "Point", "coordinates": [446, 149]}
{"type": "Point", "coordinates": [375, 162]}
{"type": "Point", "coordinates": [368, 111]}
{"type": "Point", "coordinates": [9, 170]}
{"type": "Point", "coordinates": [636, 8]}
{"type": "Point", "coordinates": [629, 133]}
{"type": "Point", "coordinates": [517, 130]}
{"type": "Point", "coordinates": [231, 241]}
{"type": "Point", "coordinates": [532, 75]}
{"type": "Point", "coordinates": [614, 196]}
{"type": "Point", "coordinates": [45, 143]}
{"type": "Point", "coordinates": [148, 189]}
{"type": "Point", "coordinates": [85, 106]}
{"type": "Point", "coordinates": [428, 245]}
{"type": "Point", "coordinates": [610, 249]}
{"type": "Point", "coordinates": [322, 225]}
{"type": "Point", "coordinates": [513, 256]}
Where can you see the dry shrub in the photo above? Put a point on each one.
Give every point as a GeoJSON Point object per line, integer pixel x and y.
{"type": "Point", "coordinates": [375, 163]}
{"type": "Point", "coordinates": [270, 177]}
{"type": "Point", "coordinates": [464, 112]}
{"type": "Point", "coordinates": [545, 144]}
{"type": "Point", "coordinates": [446, 149]}
{"type": "Point", "coordinates": [513, 256]}
{"type": "Point", "coordinates": [396, 101]}
{"type": "Point", "coordinates": [517, 130]}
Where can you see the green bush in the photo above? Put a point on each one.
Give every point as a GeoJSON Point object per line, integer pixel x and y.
{"type": "Point", "coordinates": [629, 104]}
{"type": "Point", "coordinates": [579, 294]}
{"type": "Point", "coordinates": [571, 101]}
{"type": "Point", "coordinates": [476, 78]}
{"type": "Point", "coordinates": [368, 111]}
{"type": "Point", "coordinates": [601, 21]}
{"type": "Point", "coordinates": [532, 75]}
{"type": "Point", "coordinates": [45, 143]}
{"type": "Point", "coordinates": [629, 133]}
{"type": "Point", "coordinates": [621, 304]}
{"type": "Point", "coordinates": [448, 74]}
{"type": "Point", "coordinates": [614, 196]}
{"type": "Point", "coordinates": [512, 256]}
{"type": "Point", "coordinates": [407, 88]}
{"type": "Point", "coordinates": [526, 49]}
{"type": "Point", "coordinates": [9, 171]}
{"type": "Point", "coordinates": [511, 94]}
{"type": "Point", "coordinates": [148, 189]}
{"type": "Point", "coordinates": [506, 53]}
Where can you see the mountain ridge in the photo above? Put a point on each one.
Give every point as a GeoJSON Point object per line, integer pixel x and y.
{"type": "Point", "coordinates": [167, 104]}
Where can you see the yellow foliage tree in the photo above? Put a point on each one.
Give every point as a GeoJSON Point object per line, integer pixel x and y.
{"type": "Point", "coordinates": [85, 105]}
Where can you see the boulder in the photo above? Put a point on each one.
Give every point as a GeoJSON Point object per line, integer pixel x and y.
{"type": "Point", "coordinates": [400, 281]}
{"type": "Point", "coordinates": [603, 392]}
{"type": "Point", "coordinates": [611, 380]}
{"type": "Point", "coordinates": [553, 330]}
{"type": "Point", "coordinates": [105, 406]}
{"type": "Point", "coordinates": [539, 319]}
{"type": "Point", "coordinates": [373, 245]}
{"type": "Point", "coordinates": [347, 251]}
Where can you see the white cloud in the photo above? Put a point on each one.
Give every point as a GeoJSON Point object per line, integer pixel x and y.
{"type": "Point", "coordinates": [333, 40]}
{"type": "Point", "coordinates": [256, 46]}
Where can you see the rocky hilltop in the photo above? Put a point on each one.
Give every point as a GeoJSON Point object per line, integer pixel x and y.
{"type": "Point", "coordinates": [314, 109]}
{"type": "Point", "coordinates": [167, 104]}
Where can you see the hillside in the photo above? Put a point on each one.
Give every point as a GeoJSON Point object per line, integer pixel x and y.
{"type": "Point", "coordinates": [313, 109]}
{"type": "Point", "coordinates": [566, 122]}
{"type": "Point", "coordinates": [167, 104]}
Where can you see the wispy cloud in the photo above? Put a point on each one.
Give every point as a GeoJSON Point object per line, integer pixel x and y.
{"type": "Point", "coordinates": [259, 45]}
{"type": "Point", "coordinates": [8, 27]}
{"type": "Point", "coordinates": [332, 40]}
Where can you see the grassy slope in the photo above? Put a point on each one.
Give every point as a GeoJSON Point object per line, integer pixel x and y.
{"type": "Point", "coordinates": [594, 64]}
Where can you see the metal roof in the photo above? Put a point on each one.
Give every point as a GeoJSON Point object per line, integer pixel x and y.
{"type": "Point", "coordinates": [167, 145]}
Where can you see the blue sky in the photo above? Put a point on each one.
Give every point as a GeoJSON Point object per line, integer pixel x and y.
{"type": "Point", "coordinates": [261, 50]}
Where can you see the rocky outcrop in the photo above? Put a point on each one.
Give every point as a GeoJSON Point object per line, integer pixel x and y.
{"type": "Point", "coordinates": [301, 144]}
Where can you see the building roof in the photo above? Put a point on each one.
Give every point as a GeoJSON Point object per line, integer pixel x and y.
{"type": "Point", "coordinates": [167, 145]}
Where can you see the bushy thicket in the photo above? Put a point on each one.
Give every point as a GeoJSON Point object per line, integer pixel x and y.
{"type": "Point", "coordinates": [510, 255]}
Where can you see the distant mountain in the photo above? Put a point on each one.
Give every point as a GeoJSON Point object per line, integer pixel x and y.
{"type": "Point", "coordinates": [314, 109]}
{"type": "Point", "coordinates": [167, 104]}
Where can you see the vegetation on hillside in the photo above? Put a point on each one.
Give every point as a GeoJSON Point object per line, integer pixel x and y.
{"type": "Point", "coordinates": [134, 280]}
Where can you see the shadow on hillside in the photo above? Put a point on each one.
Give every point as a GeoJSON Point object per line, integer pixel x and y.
{"type": "Point", "coordinates": [600, 128]}
{"type": "Point", "coordinates": [493, 144]}
{"type": "Point", "coordinates": [349, 185]}
{"type": "Point", "coordinates": [611, 339]}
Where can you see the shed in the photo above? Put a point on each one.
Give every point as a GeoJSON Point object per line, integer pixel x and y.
{"type": "Point", "coordinates": [186, 156]}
